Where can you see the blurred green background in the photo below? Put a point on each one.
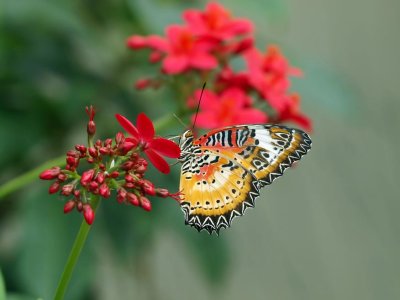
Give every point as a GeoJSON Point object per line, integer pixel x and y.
{"type": "Point", "coordinates": [329, 229]}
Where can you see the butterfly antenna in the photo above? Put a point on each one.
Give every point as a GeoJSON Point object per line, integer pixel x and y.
{"type": "Point", "coordinates": [198, 105]}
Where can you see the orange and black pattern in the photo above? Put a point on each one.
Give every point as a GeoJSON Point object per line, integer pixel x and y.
{"type": "Point", "coordinates": [224, 170]}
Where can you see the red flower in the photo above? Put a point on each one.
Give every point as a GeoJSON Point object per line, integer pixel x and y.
{"type": "Point", "coordinates": [216, 22]}
{"type": "Point", "coordinates": [291, 113]}
{"type": "Point", "coordinates": [269, 75]}
{"type": "Point", "coordinates": [185, 51]}
{"type": "Point", "coordinates": [182, 49]}
{"type": "Point", "coordinates": [143, 133]}
{"type": "Point", "coordinates": [231, 107]}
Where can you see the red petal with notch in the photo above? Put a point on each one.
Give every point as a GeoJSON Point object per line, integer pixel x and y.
{"type": "Point", "coordinates": [127, 125]}
{"type": "Point", "coordinates": [157, 161]}
{"type": "Point", "coordinates": [145, 127]}
{"type": "Point", "coordinates": [165, 147]}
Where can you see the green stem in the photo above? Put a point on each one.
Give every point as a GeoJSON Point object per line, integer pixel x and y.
{"type": "Point", "coordinates": [74, 254]}
{"type": "Point", "coordinates": [28, 177]}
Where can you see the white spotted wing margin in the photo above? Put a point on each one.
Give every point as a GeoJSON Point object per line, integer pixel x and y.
{"type": "Point", "coordinates": [262, 154]}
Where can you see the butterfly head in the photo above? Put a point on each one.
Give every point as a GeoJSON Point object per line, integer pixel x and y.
{"type": "Point", "coordinates": [185, 143]}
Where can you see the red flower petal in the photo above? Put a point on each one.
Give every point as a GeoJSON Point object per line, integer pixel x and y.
{"type": "Point", "coordinates": [252, 116]}
{"type": "Point", "coordinates": [145, 127]}
{"type": "Point", "coordinates": [203, 61]}
{"type": "Point", "coordinates": [206, 120]}
{"type": "Point", "coordinates": [165, 147]}
{"type": "Point", "coordinates": [127, 125]}
{"type": "Point", "coordinates": [152, 41]}
{"type": "Point", "coordinates": [157, 161]}
{"type": "Point", "coordinates": [174, 64]}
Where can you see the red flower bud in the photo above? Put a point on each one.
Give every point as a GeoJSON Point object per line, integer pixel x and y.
{"type": "Point", "coordinates": [79, 206]}
{"type": "Point", "coordinates": [67, 189]}
{"type": "Point", "coordinates": [104, 191]}
{"type": "Point", "coordinates": [129, 178]}
{"type": "Point", "coordinates": [100, 177]}
{"type": "Point", "coordinates": [121, 195]}
{"type": "Point", "coordinates": [119, 138]}
{"type": "Point", "coordinates": [54, 187]}
{"type": "Point", "coordinates": [132, 199]}
{"type": "Point", "coordinates": [88, 214]}
{"type": "Point", "coordinates": [69, 206]}
{"type": "Point", "coordinates": [142, 83]}
{"type": "Point", "coordinates": [155, 56]}
{"type": "Point", "coordinates": [93, 152]}
{"type": "Point", "coordinates": [73, 153]}
{"type": "Point", "coordinates": [72, 161]}
{"type": "Point", "coordinates": [127, 166]}
{"type": "Point", "coordinates": [90, 160]}
{"type": "Point", "coordinates": [134, 157]}
{"type": "Point", "coordinates": [93, 185]}
{"type": "Point", "coordinates": [114, 174]}
{"type": "Point", "coordinates": [81, 148]}
{"type": "Point", "coordinates": [145, 203]}
{"type": "Point", "coordinates": [62, 177]}
{"type": "Point", "coordinates": [164, 193]}
{"type": "Point", "coordinates": [141, 169]}
{"type": "Point", "coordinates": [91, 126]}
{"type": "Point", "coordinates": [148, 187]}
{"type": "Point", "coordinates": [129, 185]}
{"type": "Point", "coordinates": [87, 176]}
{"type": "Point", "coordinates": [125, 147]}
{"type": "Point", "coordinates": [77, 193]}
{"type": "Point", "coordinates": [50, 173]}
{"type": "Point", "coordinates": [142, 162]}
{"type": "Point", "coordinates": [104, 151]}
{"type": "Point", "coordinates": [107, 142]}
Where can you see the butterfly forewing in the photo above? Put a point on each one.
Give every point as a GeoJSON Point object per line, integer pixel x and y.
{"type": "Point", "coordinates": [223, 170]}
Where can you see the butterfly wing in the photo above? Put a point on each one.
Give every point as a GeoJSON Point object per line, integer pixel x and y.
{"type": "Point", "coordinates": [228, 166]}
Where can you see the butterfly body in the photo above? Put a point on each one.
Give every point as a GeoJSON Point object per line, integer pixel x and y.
{"type": "Point", "coordinates": [224, 170]}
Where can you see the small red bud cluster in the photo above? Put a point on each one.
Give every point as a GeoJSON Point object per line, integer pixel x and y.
{"type": "Point", "coordinates": [101, 168]}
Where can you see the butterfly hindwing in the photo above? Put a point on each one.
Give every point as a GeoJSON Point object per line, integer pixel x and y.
{"type": "Point", "coordinates": [223, 170]}
{"type": "Point", "coordinates": [215, 191]}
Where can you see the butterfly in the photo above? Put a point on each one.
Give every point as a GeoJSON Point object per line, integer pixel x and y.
{"type": "Point", "coordinates": [223, 170]}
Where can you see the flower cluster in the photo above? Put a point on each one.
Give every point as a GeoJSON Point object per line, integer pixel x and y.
{"type": "Point", "coordinates": [112, 165]}
{"type": "Point", "coordinates": [203, 49]}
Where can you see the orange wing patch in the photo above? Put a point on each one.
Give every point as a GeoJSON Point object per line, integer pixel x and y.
{"type": "Point", "coordinates": [211, 195]}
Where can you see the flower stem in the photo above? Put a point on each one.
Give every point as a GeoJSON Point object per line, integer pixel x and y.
{"type": "Point", "coordinates": [28, 177]}
{"type": "Point", "coordinates": [75, 253]}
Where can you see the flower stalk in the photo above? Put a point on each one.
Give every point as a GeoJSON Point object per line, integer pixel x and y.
{"type": "Point", "coordinates": [75, 253]}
